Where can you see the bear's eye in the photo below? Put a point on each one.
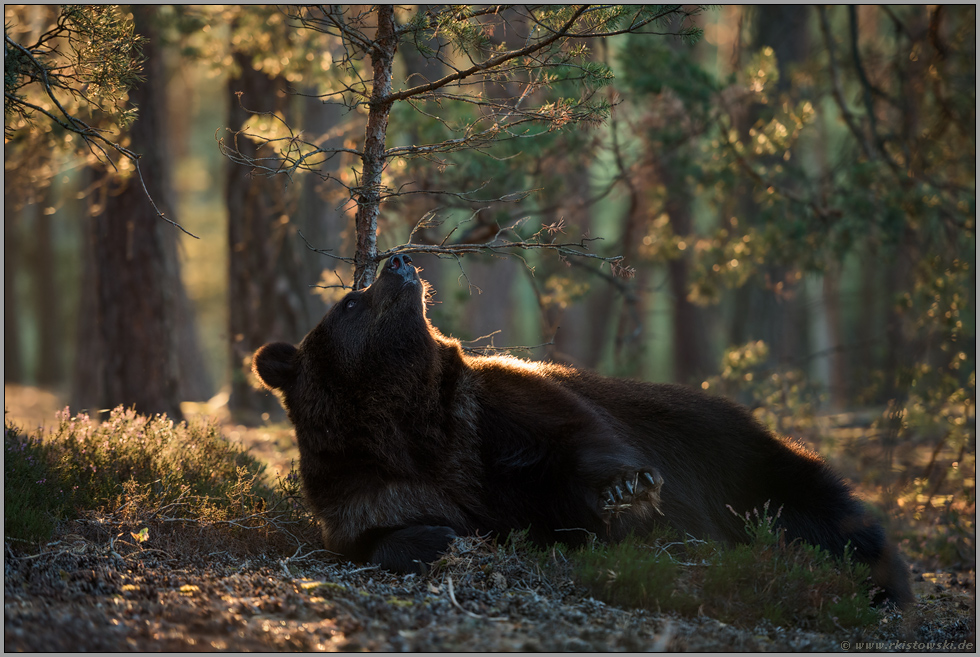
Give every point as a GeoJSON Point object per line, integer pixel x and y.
{"type": "Point", "coordinates": [350, 303]}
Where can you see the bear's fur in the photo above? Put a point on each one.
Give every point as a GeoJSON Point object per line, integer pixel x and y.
{"type": "Point", "coordinates": [406, 442]}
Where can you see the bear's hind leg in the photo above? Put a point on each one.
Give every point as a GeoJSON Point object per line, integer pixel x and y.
{"type": "Point", "coordinates": [632, 490]}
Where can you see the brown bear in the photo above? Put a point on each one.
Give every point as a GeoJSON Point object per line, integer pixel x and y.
{"type": "Point", "coordinates": [406, 442]}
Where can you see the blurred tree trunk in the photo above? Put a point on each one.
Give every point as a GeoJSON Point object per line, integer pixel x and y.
{"type": "Point", "coordinates": [491, 308]}
{"type": "Point", "coordinates": [570, 325]}
{"type": "Point", "coordinates": [267, 292]}
{"type": "Point", "coordinates": [692, 355]}
{"type": "Point", "coordinates": [87, 384]}
{"type": "Point", "coordinates": [318, 215]}
{"type": "Point", "coordinates": [13, 364]}
{"type": "Point", "coordinates": [912, 72]}
{"type": "Point", "coordinates": [47, 301]}
{"type": "Point", "coordinates": [629, 323]}
{"type": "Point", "coordinates": [140, 352]}
{"type": "Point", "coordinates": [323, 222]}
{"type": "Point", "coordinates": [838, 381]}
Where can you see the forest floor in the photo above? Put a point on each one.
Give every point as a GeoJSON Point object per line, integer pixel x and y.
{"type": "Point", "coordinates": [85, 591]}
{"type": "Point", "coordinates": [79, 594]}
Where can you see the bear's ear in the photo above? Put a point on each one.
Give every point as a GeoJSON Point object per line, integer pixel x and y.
{"type": "Point", "coordinates": [275, 365]}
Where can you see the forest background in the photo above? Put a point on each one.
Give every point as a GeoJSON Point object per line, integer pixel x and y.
{"type": "Point", "coordinates": [791, 189]}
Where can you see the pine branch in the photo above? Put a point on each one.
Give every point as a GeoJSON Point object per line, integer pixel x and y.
{"type": "Point", "coordinates": [92, 137]}
{"type": "Point", "coordinates": [491, 63]}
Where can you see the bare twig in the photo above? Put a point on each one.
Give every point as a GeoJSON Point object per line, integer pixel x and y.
{"type": "Point", "coordinates": [452, 598]}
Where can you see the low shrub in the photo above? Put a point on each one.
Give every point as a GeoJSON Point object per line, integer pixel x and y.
{"type": "Point", "coordinates": [134, 473]}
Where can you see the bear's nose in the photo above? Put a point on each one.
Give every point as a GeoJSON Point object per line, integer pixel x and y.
{"type": "Point", "coordinates": [398, 261]}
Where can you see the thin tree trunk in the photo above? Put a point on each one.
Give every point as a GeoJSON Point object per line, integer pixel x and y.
{"type": "Point", "coordinates": [420, 69]}
{"type": "Point", "coordinates": [776, 318]}
{"type": "Point", "coordinates": [568, 325]}
{"type": "Point", "coordinates": [373, 160]}
{"type": "Point", "coordinates": [13, 364]}
{"type": "Point", "coordinates": [690, 342]}
{"type": "Point", "coordinates": [47, 301]}
{"type": "Point", "coordinates": [318, 215]}
{"type": "Point", "coordinates": [627, 350]}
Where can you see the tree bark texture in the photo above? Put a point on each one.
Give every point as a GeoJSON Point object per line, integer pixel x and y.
{"type": "Point", "coordinates": [136, 271]}
{"type": "Point", "coordinates": [373, 160]}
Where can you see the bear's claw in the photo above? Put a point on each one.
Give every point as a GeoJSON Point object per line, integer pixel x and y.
{"type": "Point", "coordinates": [642, 488]}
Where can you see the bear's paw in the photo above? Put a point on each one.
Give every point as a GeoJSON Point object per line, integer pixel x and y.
{"type": "Point", "coordinates": [631, 491]}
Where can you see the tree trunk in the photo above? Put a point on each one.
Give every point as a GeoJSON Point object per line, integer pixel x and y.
{"type": "Point", "coordinates": [373, 160]}
{"type": "Point", "coordinates": [628, 348]}
{"type": "Point", "coordinates": [420, 69]}
{"type": "Point", "coordinates": [13, 363]}
{"type": "Point", "coordinates": [87, 382]}
{"type": "Point", "coordinates": [839, 389]}
{"type": "Point", "coordinates": [136, 274]}
{"type": "Point", "coordinates": [569, 325]}
{"type": "Point", "coordinates": [47, 301]}
{"type": "Point", "coordinates": [268, 293]}
{"type": "Point", "coordinates": [322, 223]}
{"type": "Point", "coordinates": [692, 358]}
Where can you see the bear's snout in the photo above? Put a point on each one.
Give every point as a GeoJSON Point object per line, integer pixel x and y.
{"type": "Point", "coordinates": [401, 265]}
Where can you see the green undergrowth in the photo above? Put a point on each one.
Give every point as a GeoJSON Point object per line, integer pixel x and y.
{"type": "Point", "coordinates": [791, 584]}
{"type": "Point", "coordinates": [147, 475]}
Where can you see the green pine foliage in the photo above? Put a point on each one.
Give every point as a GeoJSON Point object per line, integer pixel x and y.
{"type": "Point", "coordinates": [75, 75]}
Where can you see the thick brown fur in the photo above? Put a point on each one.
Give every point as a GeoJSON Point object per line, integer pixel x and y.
{"type": "Point", "coordinates": [406, 442]}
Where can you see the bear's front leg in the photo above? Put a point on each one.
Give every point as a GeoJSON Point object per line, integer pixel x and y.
{"type": "Point", "coordinates": [409, 549]}
{"type": "Point", "coordinates": [632, 490]}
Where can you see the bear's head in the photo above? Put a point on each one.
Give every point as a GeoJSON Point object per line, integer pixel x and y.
{"type": "Point", "coordinates": [374, 343]}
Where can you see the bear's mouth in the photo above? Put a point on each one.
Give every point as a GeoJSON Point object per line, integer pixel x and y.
{"type": "Point", "coordinates": [399, 282]}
